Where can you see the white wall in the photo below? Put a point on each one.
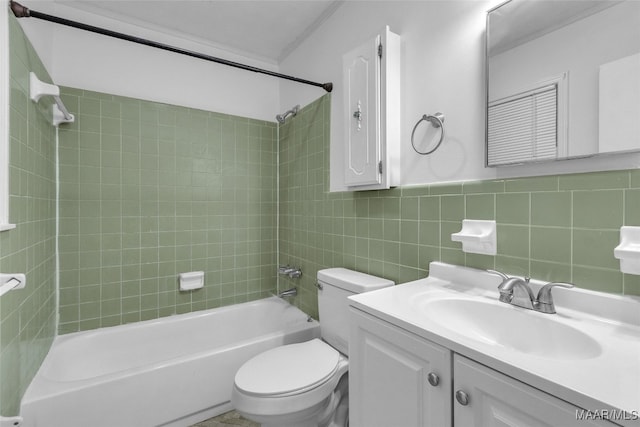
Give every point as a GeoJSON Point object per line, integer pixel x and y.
{"type": "Point", "coordinates": [442, 70]}
{"type": "Point", "coordinates": [90, 61]}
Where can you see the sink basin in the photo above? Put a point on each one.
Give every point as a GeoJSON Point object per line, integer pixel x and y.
{"type": "Point", "coordinates": [512, 327]}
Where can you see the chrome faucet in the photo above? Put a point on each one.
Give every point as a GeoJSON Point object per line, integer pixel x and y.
{"type": "Point", "coordinates": [292, 272]}
{"type": "Point", "coordinates": [545, 300]}
{"type": "Point", "coordinates": [516, 291]}
{"type": "Point", "coordinates": [288, 293]}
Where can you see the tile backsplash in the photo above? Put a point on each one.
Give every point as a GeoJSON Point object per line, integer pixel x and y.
{"type": "Point", "coordinates": [560, 228]}
{"type": "Point", "coordinates": [150, 190]}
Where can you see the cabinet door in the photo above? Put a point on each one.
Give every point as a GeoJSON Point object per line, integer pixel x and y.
{"type": "Point", "coordinates": [389, 377]}
{"type": "Point", "coordinates": [496, 400]}
{"type": "Point", "coordinates": [361, 70]}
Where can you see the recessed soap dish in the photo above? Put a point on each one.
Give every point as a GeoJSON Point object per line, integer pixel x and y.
{"type": "Point", "coordinates": [191, 281]}
{"type": "Point", "coordinates": [477, 236]}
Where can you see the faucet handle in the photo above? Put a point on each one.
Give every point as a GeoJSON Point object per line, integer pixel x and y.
{"type": "Point", "coordinates": [545, 300]}
{"type": "Point", "coordinates": [498, 273]}
{"type": "Point", "coordinates": [283, 269]}
{"type": "Point", "coordinates": [506, 277]}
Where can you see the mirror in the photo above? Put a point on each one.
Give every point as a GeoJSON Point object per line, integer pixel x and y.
{"type": "Point", "coordinates": [563, 80]}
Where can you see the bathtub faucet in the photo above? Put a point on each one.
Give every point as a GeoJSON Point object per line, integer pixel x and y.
{"type": "Point", "coordinates": [288, 293]}
{"type": "Point", "coordinates": [292, 272]}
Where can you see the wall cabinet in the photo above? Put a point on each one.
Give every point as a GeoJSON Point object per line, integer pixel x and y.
{"type": "Point", "coordinates": [390, 385]}
{"type": "Point", "coordinates": [371, 78]}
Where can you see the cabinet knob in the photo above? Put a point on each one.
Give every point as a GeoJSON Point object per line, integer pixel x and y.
{"type": "Point", "coordinates": [462, 397]}
{"type": "Point", "coordinates": [433, 379]}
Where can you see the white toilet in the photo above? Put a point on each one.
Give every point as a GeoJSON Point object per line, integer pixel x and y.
{"type": "Point", "coordinates": [303, 385]}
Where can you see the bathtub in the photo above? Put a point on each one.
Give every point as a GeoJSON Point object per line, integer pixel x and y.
{"type": "Point", "coordinates": [173, 371]}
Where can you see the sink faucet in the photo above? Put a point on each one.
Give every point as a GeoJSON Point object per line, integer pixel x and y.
{"type": "Point", "coordinates": [516, 291]}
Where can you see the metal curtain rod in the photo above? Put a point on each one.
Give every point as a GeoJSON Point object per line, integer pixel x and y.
{"type": "Point", "coordinates": [23, 12]}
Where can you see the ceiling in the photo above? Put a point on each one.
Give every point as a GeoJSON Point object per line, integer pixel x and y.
{"type": "Point", "coordinates": [267, 30]}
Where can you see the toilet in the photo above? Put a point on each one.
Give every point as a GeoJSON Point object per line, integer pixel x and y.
{"type": "Point", "coordinates": [304, 384]}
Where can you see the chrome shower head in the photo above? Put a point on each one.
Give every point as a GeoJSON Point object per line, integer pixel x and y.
{"type": "Point", "coordinates": [282, 117]}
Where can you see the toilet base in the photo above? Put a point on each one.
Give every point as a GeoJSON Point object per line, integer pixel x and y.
{"type": "Point", "coordinates": [305, 418]}
{"type": "Point", "coordinates": [336, 413]}
{"type": "Point", "coordinates": [331, 412]}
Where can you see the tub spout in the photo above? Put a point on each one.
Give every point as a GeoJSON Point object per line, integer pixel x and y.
{"type": "Point", "coordinates": [288, 293]}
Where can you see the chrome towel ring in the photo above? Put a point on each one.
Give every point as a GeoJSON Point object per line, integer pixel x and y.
{"type": "Point", "coordinates": [437, 120]}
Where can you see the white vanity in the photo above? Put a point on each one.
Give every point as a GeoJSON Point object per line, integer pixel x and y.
{"type": "Point", "coordinates": [443, 351]}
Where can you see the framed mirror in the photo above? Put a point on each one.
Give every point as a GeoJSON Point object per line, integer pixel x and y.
{"type": "Point", "coordinates": [563, 80]}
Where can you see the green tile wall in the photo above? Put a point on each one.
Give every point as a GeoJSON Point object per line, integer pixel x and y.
{"type": "Point", "coordinates": [27, 316]}
{"type": "Point", "coordinates": [561, 228]}
{"type": "Point", "coordinates": [149, 190]}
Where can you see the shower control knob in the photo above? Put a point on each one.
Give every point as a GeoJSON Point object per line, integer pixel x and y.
{"type": "Point", "coordinates": [433, 379]}
{"type": "Point", "coordinates": [462, 397]}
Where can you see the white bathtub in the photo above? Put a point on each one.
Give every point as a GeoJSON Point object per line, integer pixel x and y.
{"type": "Point", "coordinates": [173, 371]}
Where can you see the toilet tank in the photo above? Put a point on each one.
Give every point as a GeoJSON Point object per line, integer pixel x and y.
{"type": "Point", "coordinates": [334, 286]}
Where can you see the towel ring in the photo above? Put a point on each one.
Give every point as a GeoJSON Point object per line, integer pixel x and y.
{"type": "Point", "coordinates": [437, 120]}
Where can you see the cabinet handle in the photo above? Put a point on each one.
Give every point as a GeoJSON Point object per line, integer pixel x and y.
{"type": "Point", "coordinates": [462, 398]}
{"type": "Point", "coordinates": [433, 379]}
{"type": "Point", "coordinates": [358, 115]}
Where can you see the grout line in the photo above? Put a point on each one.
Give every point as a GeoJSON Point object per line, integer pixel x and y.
{"type": "Point", "coordinates": [529, 228]}
{"type": "Point", "coordinates": [571, 208]}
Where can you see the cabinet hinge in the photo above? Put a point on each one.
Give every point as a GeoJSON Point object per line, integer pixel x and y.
{"type": "Point", "coordinates": [380, 50]}
{"type": "Point", "coordinates": [380, 166]}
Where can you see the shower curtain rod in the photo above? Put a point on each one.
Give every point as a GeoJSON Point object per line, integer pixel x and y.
{"type": "Point", "coordinates": [23, 12]}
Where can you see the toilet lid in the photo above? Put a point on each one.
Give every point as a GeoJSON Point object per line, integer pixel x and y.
{"type": "Point", "coordinates": [288, 368]}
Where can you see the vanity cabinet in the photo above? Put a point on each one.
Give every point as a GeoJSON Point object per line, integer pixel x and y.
{"type": "Point", "coordinates": [395, 377]}
{"type": "Point", "coordinates": [390, 385]}
{"type": "Point", "coordinates": [494, 399]}
{"type": "Point", "coordinates": [371, 111]}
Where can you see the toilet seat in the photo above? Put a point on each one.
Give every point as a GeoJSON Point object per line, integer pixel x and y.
{"type": "Point", "coordinates": [288, 370]}
{"type": "Point", "coordinates": [256, 400]}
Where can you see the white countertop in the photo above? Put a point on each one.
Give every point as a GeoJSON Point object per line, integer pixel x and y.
{"type": "Point", "coordinates": [604, 381]}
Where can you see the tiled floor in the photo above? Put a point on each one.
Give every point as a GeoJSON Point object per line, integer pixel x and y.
{"type": "Point", "coordinates": [228, 419]}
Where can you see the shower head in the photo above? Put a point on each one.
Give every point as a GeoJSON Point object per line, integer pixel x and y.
{"type": "Point", "coordinates": [282, 117]}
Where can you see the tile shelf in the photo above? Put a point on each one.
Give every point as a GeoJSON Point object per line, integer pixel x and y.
{"type": "Point", "coordinates": [628, 251]}
{"type": "Point", "coordinates": [477, 236]}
